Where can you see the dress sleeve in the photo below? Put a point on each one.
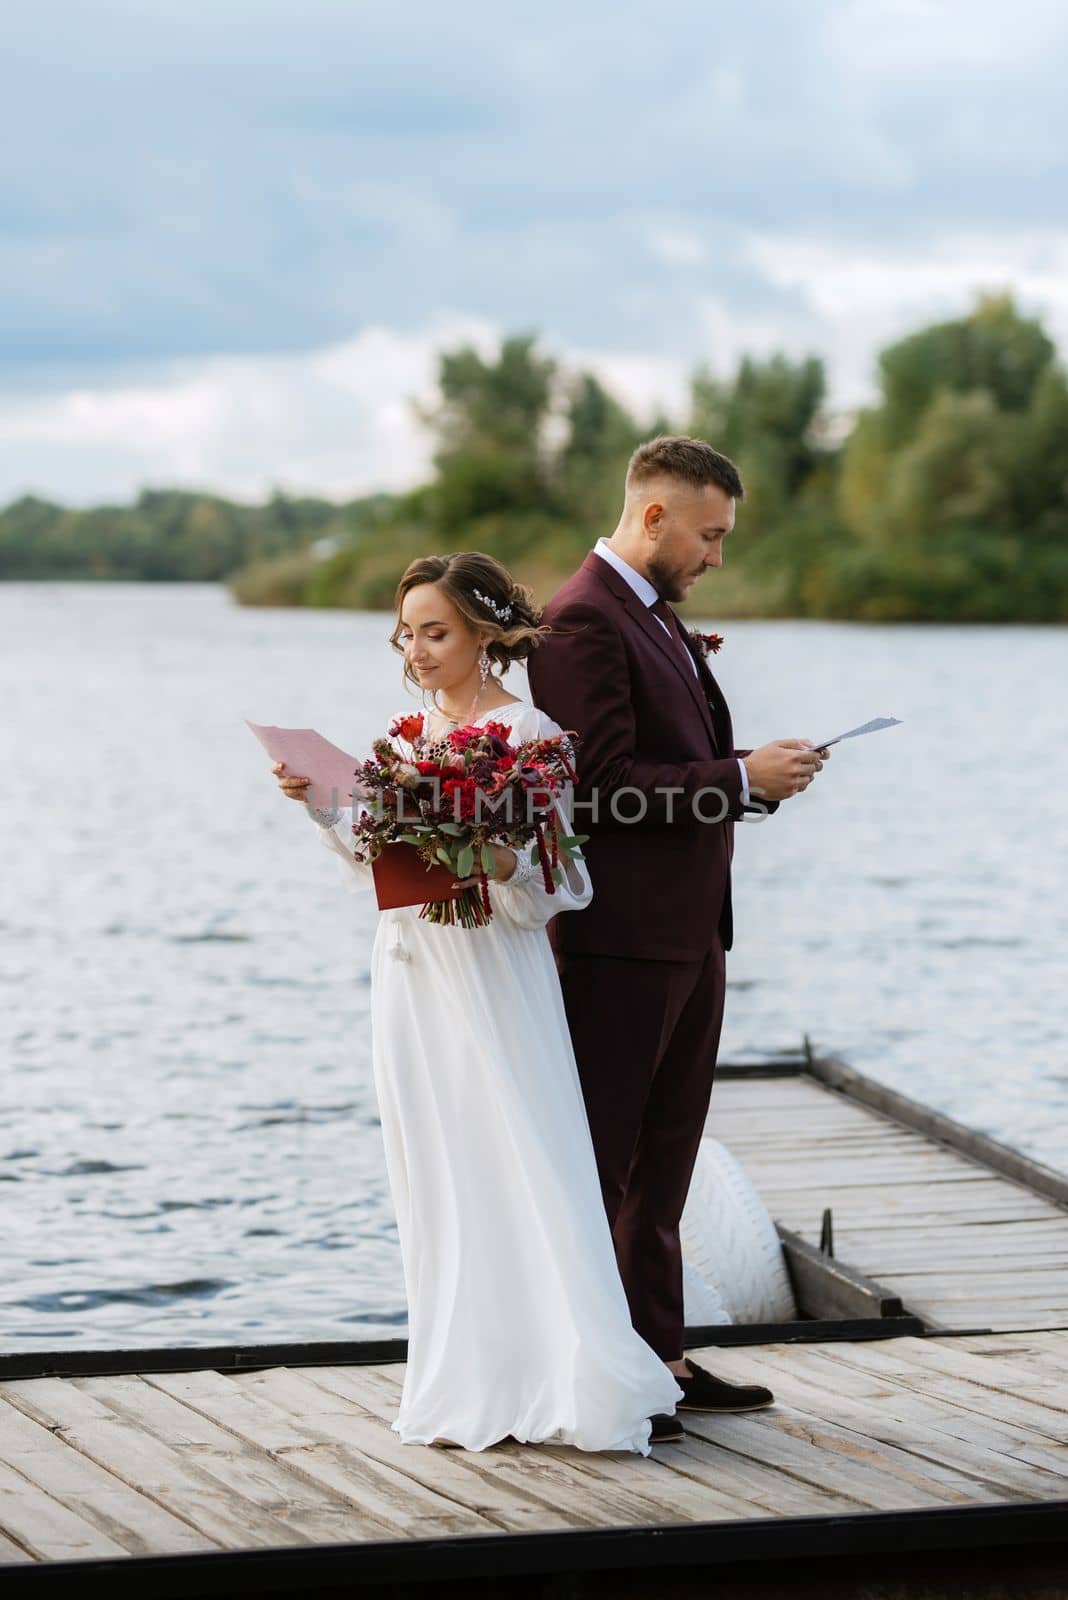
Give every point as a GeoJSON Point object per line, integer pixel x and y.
{"type": "Point", "coordinates": [523, 898]}
{"type": "Point", "coordinates": [334, 828]}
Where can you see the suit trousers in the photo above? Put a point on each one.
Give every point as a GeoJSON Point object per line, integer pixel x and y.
{"type": "Point", "coordinates": [645, 1035]}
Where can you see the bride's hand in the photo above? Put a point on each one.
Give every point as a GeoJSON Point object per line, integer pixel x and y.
{"type": "Point", "coordinates": [504, 861]}
{"type": "Point", "coordinates": [292, 788]}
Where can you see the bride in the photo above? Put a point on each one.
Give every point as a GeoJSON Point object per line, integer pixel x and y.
{"type": "Point", "coordinates": [518, 1323]}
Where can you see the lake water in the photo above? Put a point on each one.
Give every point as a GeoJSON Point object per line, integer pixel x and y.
{"type": "Point", "coordinates": [189, 1147]}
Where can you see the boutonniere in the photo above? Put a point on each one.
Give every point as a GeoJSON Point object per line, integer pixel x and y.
{"type": "Point", "coordinates": [707, 644]}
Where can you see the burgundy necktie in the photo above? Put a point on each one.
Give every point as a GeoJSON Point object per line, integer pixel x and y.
{"type": "Point", "coordinates": [661, 609]}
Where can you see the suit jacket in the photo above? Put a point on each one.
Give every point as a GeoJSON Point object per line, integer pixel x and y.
{"type": "Point", "coordinates": [662, 883]}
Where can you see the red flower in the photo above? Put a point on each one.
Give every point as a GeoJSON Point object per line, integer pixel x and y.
{"type": "Point", "coordinates": [465, 788]}
{"type": "Point", "coordinates": [496, 729]}
{"type": "Point", "coordinates": [707, 643]}
{"type": "Point", "coordinates": [407, 727]}
{"type": "Point", "coordinates": [505, 763]}
{"type": "Point", "coordinates": [436, 769]}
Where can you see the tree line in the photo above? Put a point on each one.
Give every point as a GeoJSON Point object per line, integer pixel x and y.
{"type": "Point", "coordinates": [947, 498]}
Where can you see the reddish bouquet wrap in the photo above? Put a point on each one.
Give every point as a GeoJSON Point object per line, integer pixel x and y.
{"type": "Point", "coordinates": [442, 804]}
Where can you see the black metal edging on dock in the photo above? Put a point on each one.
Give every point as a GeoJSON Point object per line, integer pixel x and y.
{"type": "Point", "coordinates": [379, 1352]}
{"type": "Point", "coordinates": [819, 1549]}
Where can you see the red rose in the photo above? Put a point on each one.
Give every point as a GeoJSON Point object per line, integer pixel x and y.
{"type": "Point", "coordinates": [497, 729]}
{"type": "Point", "coordinates": [407, 727]}
{"type": "Point", "coordinates": [460, 796]}
{"type": "Point", "coordinates": [460, 738]}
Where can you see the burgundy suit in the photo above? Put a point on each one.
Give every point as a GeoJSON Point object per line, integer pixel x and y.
{"type": "Point", "coordinates": [642, 968]}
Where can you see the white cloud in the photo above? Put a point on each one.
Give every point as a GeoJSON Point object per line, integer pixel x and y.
{"type": "Point", "coordinates": [926, 39]}
{"type": "Point", "coordinates": [679, 247]}
{"type": "Point", "coordinates": [336, 421]}
{"type": "Point", "coordinates": [845, 300]}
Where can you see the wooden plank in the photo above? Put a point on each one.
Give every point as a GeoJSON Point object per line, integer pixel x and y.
{"type": "Point", "coordinates": [978, 1317]}
{"type": "Point", "coordinates": [46, 1529]}
{"type": "Point", "coordinates": [985, 1371]}
{"type": "Point", "coordinates": [645, 1475]}
{"type": "Point", "coordinates": [12, 1554]}
{"type": "Point", "coordinates": [940, 1188]}
{"type": "Point", "coordinates": [896, 1416]}
{"type": "Point", "coordinates": [1037, 1415]}
{"type": "Point", "coordinates": [764, 1485]}
{"type": "Point", "coordinates": [914, 1244]}
{"type": "Point", "coordinates": [769, 1489]}
{"type": "Point", "coordinates": [1042, 1288]}
{"type": "Point", "coordinates": [551, 1475]}
{"type": "Point", "coordinates": [824, 1453]}
{"type": "Point", "coordinates": [827, 1288]}
{"type": "Point", "coordinates": [903, 1201]}
{"type": "Point", "coordinates": [855, 1130]}
{"type": "Point", "coordinates": [333, 1439]}
{"type": "Point", "coordinates": [376, 1501]}
{"type": "Point", "coordinates": [234, 1502]}
{"type": "Point", "coordinates": [911, 1400]}
{"type": "Point", "coordinates": [134, 1523]}
{"type": "Point", "coordinates": [986, 1203]}
{"type": "Point", "coordinates": [1047, 1351]}
{"type": "Point", "coordinates": [992, 1153]}
{"type": "Point", "coordinates": [903, 1225]}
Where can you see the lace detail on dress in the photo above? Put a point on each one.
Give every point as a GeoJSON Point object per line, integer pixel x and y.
{"type": "Point", "coordinates": [323, 816]}
{"type": "Point", "coordinates": [524, 868]}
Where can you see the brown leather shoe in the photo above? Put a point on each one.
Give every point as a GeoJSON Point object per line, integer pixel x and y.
{"type": "Point", "coordinates": [664, 1428]}
{"type": "Point", "coordinates": [703, 1392]}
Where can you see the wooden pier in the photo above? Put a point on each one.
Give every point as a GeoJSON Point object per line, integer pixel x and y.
{"type": "Point", "coordinates": [934, 1458]}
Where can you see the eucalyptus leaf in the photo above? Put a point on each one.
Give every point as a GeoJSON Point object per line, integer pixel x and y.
{"type": "Point", "coordinates": [452, 828]}
{"type": "Point", "coordinates": [465, 861]}
{"type": "Point", "coordinates": [487, 861]}
{"type": "Point", "coordinates": [443, 856]}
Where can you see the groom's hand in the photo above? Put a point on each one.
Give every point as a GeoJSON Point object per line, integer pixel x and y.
{"type": "Point", "coordinates": [783, 768]}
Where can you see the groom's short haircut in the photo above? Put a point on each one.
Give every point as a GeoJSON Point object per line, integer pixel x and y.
{"type": "Point", "coordinates": [693, 461]}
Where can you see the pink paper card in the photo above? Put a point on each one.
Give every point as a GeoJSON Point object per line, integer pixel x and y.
{"type": "Point", "coordinates": [308, 755]}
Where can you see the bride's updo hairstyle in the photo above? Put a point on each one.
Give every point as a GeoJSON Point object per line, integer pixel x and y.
{"type": "Point", "coordinates": [482, 590]}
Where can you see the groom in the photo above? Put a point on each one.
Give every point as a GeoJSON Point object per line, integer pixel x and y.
{"type": "Point", "coordinates": [660, 788]}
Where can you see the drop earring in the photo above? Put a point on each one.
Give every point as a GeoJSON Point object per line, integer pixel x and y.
{"type": "Point", "coordinates": [483, 669]}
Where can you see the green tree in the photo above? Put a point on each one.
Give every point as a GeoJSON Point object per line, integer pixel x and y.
{"type": "Point", "coordinates": [764, 419]}
{"type": "Point", "coordinates": [491, 455]}
{"type": "Point", "coordinates": [601, 434]}
{"type": "Point", "coordinates": [994, 349]}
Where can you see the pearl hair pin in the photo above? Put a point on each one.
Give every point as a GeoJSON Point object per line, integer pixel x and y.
{"type": "Point", "coordinates": [502, 613]}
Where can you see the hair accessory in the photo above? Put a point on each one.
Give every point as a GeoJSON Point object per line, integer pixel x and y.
{"type": "Point", "coordinates": [502, 613]}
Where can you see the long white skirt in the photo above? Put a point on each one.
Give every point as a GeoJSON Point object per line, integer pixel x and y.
{"type": "Point", "coordinates": [518, 1323]}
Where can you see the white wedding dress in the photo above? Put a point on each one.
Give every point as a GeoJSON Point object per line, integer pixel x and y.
{"type": "Point", "coordinates": [518, 1323]}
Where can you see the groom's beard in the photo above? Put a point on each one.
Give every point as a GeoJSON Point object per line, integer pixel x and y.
{"type": "Point", "coordinates": [668, 582]}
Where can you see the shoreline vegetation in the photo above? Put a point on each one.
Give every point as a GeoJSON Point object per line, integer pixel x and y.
{"type": "Point", "coordinates": [946, 500]}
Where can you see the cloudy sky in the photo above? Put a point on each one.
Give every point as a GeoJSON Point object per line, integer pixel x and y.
{"type": "Point", "coordinates": [235, 233]}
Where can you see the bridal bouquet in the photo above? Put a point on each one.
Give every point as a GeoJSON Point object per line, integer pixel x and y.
{"type": "Point", "coordinates": [454, 797]}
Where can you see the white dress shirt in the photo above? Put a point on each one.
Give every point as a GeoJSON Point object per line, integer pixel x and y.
{"type": "Point", "coordinates": [648, 596]}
